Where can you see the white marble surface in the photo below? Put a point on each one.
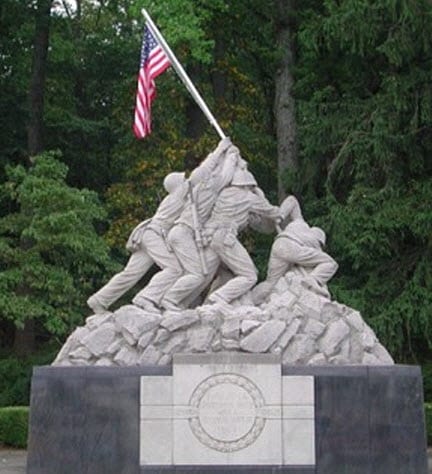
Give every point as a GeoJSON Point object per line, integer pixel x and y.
{"type": "Point", "coordinates": [156, 440]}
{"type": "Point", "coordinates": [227, 409]}
{"type": "Point", "coordinates": [298, 420]}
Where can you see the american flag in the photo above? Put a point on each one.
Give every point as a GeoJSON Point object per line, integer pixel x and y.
{"type": "Point", "coordinates": [153, 62]}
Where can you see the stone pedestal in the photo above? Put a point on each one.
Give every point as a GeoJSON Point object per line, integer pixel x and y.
{"type": "Point", "coordinates": [227, 412]}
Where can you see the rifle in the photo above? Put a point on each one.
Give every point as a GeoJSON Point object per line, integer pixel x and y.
{"type": "Point", "coordinates": [197, 231]}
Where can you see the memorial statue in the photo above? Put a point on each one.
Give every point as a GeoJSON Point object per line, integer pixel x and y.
{"type": "Point", "coordinates": [205, 297]}
{"type": "Point", "coordinates": [198, 313]}
{"type": "Point", "coordinates": [298, 246]}
{"type": "Point", "coordinates": [195, 230]}
{"type": "Point", "coordinates": [230, 216]}
{"type": "Point", "coordinates": [185, 237]}
{"type": "Point", "coordinates": [148, 244]}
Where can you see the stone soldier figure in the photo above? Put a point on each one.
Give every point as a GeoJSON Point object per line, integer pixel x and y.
{"type": "Point", "coordinates": [182, 237]}
{"type": "Point", "coordinates": [163, 280]}
{"type": "Point", "coordinates": [148, 244]}
{"type": "Point", "coordinates": [299, 245]}
{"type": "Point", "coordinates": [230, 215]}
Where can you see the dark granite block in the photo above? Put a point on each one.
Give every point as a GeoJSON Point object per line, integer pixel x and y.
{"type": "Point", "coordinates": [83, 423]}
{"type": "Point", "coordinates": [57, 425]}
{"type": "Point", "coordinates": [369, 420]}
{"type": "Point", "coordinates": [54, 371]}
{"type": "Point", "coordinates": [397, 429]}
{"type": "Point", "coordinates": [341, 422]}
{"type": "Point", "coordinates": [394, 450]}
{"type": "Point", "coordinates": [112, 431]}
{"type": "Point", "coordinates": [402, 392]}
{"type": "Point", "coordinates": [85, 420]}
{"type": "Point", "coordinates": [324, 370]}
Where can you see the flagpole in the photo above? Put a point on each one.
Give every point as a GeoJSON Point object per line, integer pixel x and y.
{"type": "Point", "coordinates": [182, 73]}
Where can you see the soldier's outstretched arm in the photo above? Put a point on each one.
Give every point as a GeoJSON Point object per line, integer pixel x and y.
{"type": "Point", "coordinates": [204, 170]}
{"type": "Point", "coordinates": [261, 206]}
{"type": "Point", "coordinates": [290, 208]}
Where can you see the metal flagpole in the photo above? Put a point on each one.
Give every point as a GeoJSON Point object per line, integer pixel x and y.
{"type": "Point", "coordinates": [182, 73]}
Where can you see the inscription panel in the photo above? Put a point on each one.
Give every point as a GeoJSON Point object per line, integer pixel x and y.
{"type": "Point", "coordinates": [231, 399]}
{"type": "Point", "coordinates": [227, 418]}
{"type": "Point", "coordinates": [233, 413]}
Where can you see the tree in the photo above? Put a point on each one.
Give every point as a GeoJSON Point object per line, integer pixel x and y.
{"type": "Point", "coordinates": [365, 128]}
{"type": "Point", "coordinates": [285, 118]}
{"type": "Point", "coordinates": [91, 68]}
{"type": "Point", "coordinates": [51, 257]}
{"type": "Point", "coordinates": [16, 36]}
{"type": "Point", "coordinates": [25, 336]}
{"type": "Point", "coordinates": [37, 83]}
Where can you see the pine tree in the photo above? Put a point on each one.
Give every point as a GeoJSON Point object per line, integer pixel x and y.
{"type": "Point", "coordinates": [365, 124]}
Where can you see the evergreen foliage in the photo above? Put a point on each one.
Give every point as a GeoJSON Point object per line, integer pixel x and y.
{"type": "Point", "coordinates": [366, 127]}
{"type": "Point", "coordinates": [15, 374]}
{"type": "Point", "coordinates": [15, 38]}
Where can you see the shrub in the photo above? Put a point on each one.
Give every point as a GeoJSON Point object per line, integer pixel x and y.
{"type": "Point", "coordinates": [14, 426]}
{"type": "Point", "coordinates": [15, 375]}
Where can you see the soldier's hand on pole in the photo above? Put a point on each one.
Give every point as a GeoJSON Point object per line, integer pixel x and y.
{"type": "Point", "coordinates": [225, 143]}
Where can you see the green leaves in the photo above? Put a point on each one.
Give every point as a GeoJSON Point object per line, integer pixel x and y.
{"type": "Point", "coordinates": [51, 255]}
{"type": "Point", "coordinates": [182, 24]}
{"type": "Point", "coordinates": [364, 102]}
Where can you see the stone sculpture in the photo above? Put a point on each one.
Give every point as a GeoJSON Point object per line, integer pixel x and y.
{"type": "Point", "coordinates": [193, 238]}
{"type": "Point", "coordinates": [229, 216]}
{"type": "Point", "coordinates": [303, 327]}
{"type": "Point", "coordinates": [298, 246]}
{"type": "Point", "coordinates": [148, 242]}
{"type": "Point", "coordinates": [185, 237]}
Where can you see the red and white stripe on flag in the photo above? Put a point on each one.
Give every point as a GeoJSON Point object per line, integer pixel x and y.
{"type": "Point", "coordinates": [153, 62]}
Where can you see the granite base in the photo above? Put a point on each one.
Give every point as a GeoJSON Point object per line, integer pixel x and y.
{"type": "Point", "coordinates": [86, 420]}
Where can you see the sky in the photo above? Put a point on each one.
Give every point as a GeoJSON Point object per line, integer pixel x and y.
{"type": "Point", "coordinates": [60, 6]}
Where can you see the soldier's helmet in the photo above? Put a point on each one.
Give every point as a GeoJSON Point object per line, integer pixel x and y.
{"type": "Point", "coordinates": [243, 177]}
{"type": "Point", "coordinates": [173, 180]}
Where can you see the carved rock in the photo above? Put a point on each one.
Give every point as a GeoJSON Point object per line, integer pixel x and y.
{"type": "Point", "coordinates": [100, 339]}
{"type": "Point", "coordinates": [301, 348]}
{"type": "Point", "coordinates": [293, 321]}
{"type": "Point", "coordinates": [175, 321]}
{"type": "Point", "coordinates": [263, 337]}
{"type": "Point", "coordinates": [334, 336]}
{"type": "Point", "coordinates": [199, 339]}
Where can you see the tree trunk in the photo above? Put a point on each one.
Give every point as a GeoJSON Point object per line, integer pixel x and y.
{"type": "Point", "coordinates": [284, 106]}
{"type": "Point", "coordinates": [37, 83]}
{"type": "Point", "coordinates": [25, 338]}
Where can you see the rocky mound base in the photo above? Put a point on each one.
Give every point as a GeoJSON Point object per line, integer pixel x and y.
{"type": "Point", "coordinates": [302, 326]}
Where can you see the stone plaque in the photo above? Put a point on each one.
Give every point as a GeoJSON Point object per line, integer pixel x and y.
{"type": "Point", "coordinates": [228, 394]}
{"type": "Point", "coordinates": [227, 412]}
